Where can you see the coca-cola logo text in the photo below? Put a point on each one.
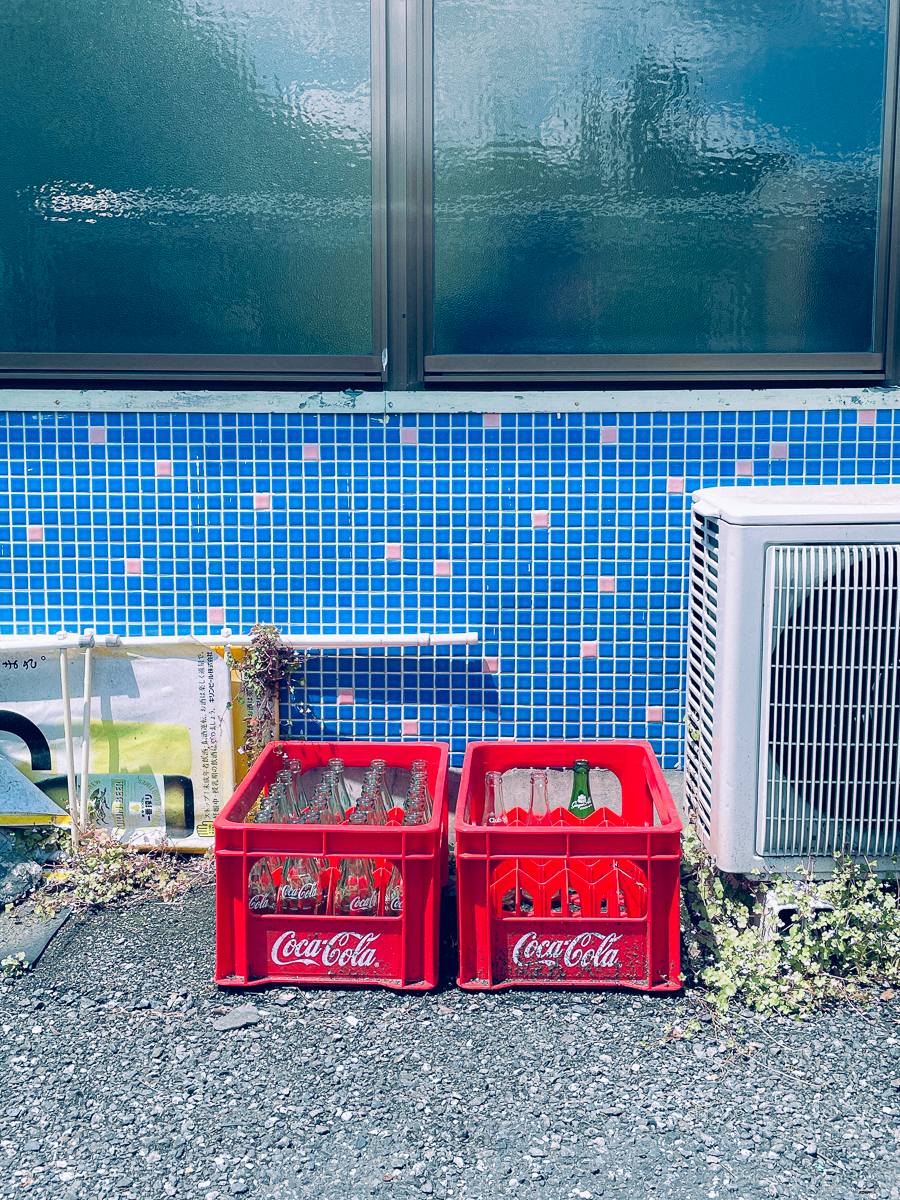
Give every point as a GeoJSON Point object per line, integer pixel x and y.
{"type": "Point", "coordinates": [349, 949]}
{"type": "Point", "coordinates": [262, 902]}
{"type": "Point", "coordinates": [306, 891]}
{"type": "Point", "coordinates": [587, 950]}
{"type": "Point", "coordinates": [360, 904]}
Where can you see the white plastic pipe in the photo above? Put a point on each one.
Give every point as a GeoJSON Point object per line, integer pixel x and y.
{"type": "Point", "coordinates": [70, 745]}
{"type": "Point", "coordinates": [311, 641]}
{"type": "Point", "coordinates": [86, 736]}
{"type": "Point", "coordinates": [22, 642]}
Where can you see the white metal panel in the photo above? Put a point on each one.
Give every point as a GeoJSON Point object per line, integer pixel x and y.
{"type": "Point", "coordinates": [701, 669]}
{"type": "Point", "coordinates": [829, 767]}
{"type": "Point", "coordinates": [785, 505]}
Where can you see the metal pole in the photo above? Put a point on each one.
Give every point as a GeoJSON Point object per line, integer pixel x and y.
{"type": "Point", "coordinates": [70, 745]}
{"type": "Point", "coordinates": [86, 735]}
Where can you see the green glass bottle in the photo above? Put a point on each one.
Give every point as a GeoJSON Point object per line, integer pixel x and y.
{"type": "Point", "coordinates": [581, 805]}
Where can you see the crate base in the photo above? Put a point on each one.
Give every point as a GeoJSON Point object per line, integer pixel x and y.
{"type": "Point", "coordinates": [572, 953]}
{"type": "Point", "coordinates": [317, 981]}
{"type": "Point", "coordinates": [473, 985]}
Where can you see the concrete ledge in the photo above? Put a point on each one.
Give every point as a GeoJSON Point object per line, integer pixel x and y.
{"type": "Point", "coordinates": [387, 403]}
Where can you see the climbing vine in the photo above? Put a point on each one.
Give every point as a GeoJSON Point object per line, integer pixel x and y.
{"type": "Point", "coordinates": [267, 668]}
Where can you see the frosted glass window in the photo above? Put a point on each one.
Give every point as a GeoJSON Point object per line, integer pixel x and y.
{"type": "Point", "coordinates": [185, 176]}
{"type": "Point", "coordinates": [656, 177]}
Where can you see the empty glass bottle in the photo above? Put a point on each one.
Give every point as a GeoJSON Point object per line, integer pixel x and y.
{"type": "Point", "coordinates": [300, 890]}
{"type": "Point", "coordinates": [331, 811]}
{"type": "Point", "coordinates": [415, 812]}
{"type": "Point", "coordinates": [379, 766]}
{"type": "Point", "coordinates": [341, 802]}
{"type": "Point", "coordinates": [287, 810]}
{"type": "Point", "coordinates": [494, 813]}
{"type": "Point", "coordinates": [271, 805]}
{"type": "Point", "coordinates": [393, 895]}
{"type": "Point", "coordinates": [367, 806]}
{"type": "Point", "coordinates": [261, 893]}
{"type": "Point", "coordinates": [355, 894]}
{"type": "Point", "coordinates": [538, 807]}
{"type": "Point", "coordinates": [419, 776]}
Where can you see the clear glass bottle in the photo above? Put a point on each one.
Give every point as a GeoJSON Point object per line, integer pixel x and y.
{"type": "Point", "coordinates": [367, 806]}
{"type": "Point", "coordinates": [334, 813]}
{"type": "Point", "coordinates": [494, 813]}
{"type": "Point", "coordinates": [355, 894]}
{"type": "Point", "coordinates": [393, 895]}
{"type": "Point", "coordinates": [581, 804]}
{"type": "Point", "coordinates": [385, 800]}
{"type": "Point", "coordinates": [287, 809]}
{"type": "Point", "coordinates": [419, 773]}
{"type": "Point", "coordinates": [538, 807]}
{"type": "Point", "coordinates": [300, 890]}
{"type": "Point", "coordinates": [270, 804]}
{"type": "Point", "coordinates": [261, 894]}
{"type": "Point", "coordinates": [415, 812]}
{"type": "Point", "coordinates": [342, 803]}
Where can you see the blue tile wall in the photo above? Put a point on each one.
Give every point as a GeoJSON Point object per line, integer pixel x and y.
{"type": "Point", "coordinates": [564, 539]}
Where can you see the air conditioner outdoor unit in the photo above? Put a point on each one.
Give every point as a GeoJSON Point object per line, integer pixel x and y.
{"type": "Point", "coordinates": [793, 679]}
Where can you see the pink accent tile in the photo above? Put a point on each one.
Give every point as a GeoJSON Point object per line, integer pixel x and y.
{"type": "Point", "coordinates": [311, 452]}
{"type": "Point", "coordinates": [606, 583]}
{"type": "Point", "coordinates": [132, 566]}
{"type": "Point", "coordinates": [609, 435]}
{"type": "Point", "coordinates": [540, 519]}
{"type": "Point", "coordinates": [409, 436]}
{"type": "Point", "coordinates": [675, 485]}
{"type": "Point", "coordinates": [35, 533]}
{"type": "Point", "coordinates": [409, 728]}
{"type": "Point", "coordinates": [345, 696]}
{"type": "Point", "coordinates": [262, 502]}
{"type": "Point", "coordinates": [743, 467]}
{"type": "Point", "coordinates": [97, 435]}
{"type": "Point", "coordinates": [442, 566]}
{"type": "Point", "coordinates": [490, 666]}
{"type": "Point", "coordinates": [491, 420]}
{"type": "Point", "coordinates": [393, 550]}
{"type": "Point", "coordinates": [654, 715]}
{"type": "Point", "coordinates": [865, 416]}
{"type": "Point", "coordinates": [163, 468]}
{"type": "Point", "coordinates": [588, 649]}
{"type": "Point", "coordinates": [778, 450]}
{"type": "Point", "coordinates": [215, 616]}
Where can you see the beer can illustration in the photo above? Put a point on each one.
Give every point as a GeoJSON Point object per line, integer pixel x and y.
{"type": "Point", "coordinates": [129, 803]}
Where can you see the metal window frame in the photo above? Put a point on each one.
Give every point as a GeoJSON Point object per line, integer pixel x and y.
{"type": "Point", "coordinates": [347, 369]}
{"type": "Point", "coordinates": [402, 39]}
{"type": "Point", "coordinates": [881, 365]}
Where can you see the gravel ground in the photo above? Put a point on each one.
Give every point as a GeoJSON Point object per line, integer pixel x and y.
{"type": "Point", "coordinates": [117, 1084]}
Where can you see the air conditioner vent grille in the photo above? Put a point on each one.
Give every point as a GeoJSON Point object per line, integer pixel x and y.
{"type": "Point", "coordinates": [830, 766]}
{"type": "Point", "coordinates": [701, 664]}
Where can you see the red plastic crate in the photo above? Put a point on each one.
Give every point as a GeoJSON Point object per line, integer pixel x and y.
{"type": "Point", "coordinates": [395, 951]}
{"type": "Point", "coordinates": [584, 903]}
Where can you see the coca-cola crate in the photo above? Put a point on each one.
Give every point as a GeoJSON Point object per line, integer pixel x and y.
{"type": "Point", "coordinates": [590, 902]}
{"type": "Point", "coordinates": [255, 947]}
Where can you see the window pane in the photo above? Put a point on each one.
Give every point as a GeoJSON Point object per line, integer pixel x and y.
{"type": "Point", "coordinates": [185, 176]}
{"type": "Point", "coordinates": [613, 177]}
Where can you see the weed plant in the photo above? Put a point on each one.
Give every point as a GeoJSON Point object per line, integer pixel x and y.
{"type": "Point", "coordinates": [843, 938]}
